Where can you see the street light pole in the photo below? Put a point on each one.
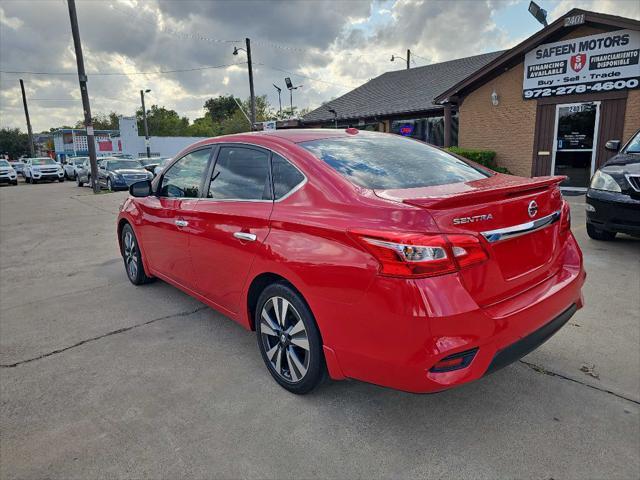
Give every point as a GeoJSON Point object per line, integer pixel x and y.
{"type": "Point", "coordinates": [82, 79]}
{"type": "Point", "coordinates": [26, 114]}
{"type": "Point", "coordinates": [291, 88]}
{"type": "Point", "coordinates": [408, 58]}
{"type": "Point", "coordinates": [279, 97]}
{"type": "Point", "coordinates": [144, 119]}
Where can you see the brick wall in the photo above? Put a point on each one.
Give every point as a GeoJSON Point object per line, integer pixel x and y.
{"type": "Point", "coordinates": [507, 129]}
{"type": "Point", "coordinates": [632, 115]}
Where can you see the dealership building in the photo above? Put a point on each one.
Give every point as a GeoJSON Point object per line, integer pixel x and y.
{"type": "Point", "coordinates": [546, 106]}
{"type": "Point", "coordinates": [72, 142]}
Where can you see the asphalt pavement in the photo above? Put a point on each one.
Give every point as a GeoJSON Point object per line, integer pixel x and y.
{"type": "Point", "coordinates": [103, 379]}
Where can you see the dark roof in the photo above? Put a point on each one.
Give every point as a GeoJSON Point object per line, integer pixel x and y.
{"type": "Point", "coordinates": [554, 31]}
{"type": "Point", "coordinates": [401, 91]}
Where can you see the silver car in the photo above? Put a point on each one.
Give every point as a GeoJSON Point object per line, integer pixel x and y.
{"type": "Point", "coordinates": [18, 166]}
{"type": "Point", "coordinates": [70, 168]}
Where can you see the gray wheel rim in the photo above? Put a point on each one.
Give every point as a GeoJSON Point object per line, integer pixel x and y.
{"type": "Point", "coordinates": [285, 339]}
{"type": "Point", "coordinates": [109, 184]}
{"type": "Point", "coordinates": [130, 255]}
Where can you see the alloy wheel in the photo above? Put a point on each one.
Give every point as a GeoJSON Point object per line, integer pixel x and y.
{"type": "Point", "coordinates": [130, 251]}
{"type": "Point", "coordinates": [285, 340]}
{"type": "Point", "coordinates": [109, 187]}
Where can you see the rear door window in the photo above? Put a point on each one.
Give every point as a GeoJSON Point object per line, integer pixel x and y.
{"type": "Point", "coordinates": [286, 177]}
{"type": "Point", "coordinates": [241, 173]}
{"type": "Point", "coordinates": [379, 161]}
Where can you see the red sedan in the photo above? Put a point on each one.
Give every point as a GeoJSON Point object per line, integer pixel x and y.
{"type": "Point", "coordinates": [360, 255]}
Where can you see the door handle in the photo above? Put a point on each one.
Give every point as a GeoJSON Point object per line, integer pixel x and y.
{"type": "Point", "coordinates": [181, 223]}
{"type": "Point", "coordinates": [249, 237]}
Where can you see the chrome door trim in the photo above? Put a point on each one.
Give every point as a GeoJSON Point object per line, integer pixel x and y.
{"type": "Point", "coordinates": [249, 237]}
{"type": "Point", "coordinates": [514, 231]}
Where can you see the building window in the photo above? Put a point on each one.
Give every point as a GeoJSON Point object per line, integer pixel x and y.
{"type": "Point", "coordinates": [429, 129]}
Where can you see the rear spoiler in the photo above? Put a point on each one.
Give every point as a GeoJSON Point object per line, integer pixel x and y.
{"type": "Point", "coordinates": [483, 191]}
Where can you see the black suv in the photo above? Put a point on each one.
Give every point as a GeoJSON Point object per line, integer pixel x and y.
{"type": "Point", "coordinates": [613, 198]}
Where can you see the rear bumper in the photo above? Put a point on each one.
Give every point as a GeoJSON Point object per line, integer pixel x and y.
{"type": "Point", "coordinates": [396, 335]}
{"type": "Point", "coordinates": [614, 212]}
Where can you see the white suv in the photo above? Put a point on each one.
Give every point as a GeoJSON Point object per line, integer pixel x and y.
{"type": "Point", "coordinates": [7, 173]}
{"type": "Point", "coordinates": [42, 168]}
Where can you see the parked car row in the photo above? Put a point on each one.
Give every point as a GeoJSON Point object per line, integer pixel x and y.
{"type": "Point", "coordinates": [113, 173]}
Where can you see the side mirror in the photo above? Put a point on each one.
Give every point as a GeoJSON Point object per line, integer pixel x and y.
{"type": "Point", "coordinates": [141, 189]}
{"type": "Point", "coordinates": [612, 145]}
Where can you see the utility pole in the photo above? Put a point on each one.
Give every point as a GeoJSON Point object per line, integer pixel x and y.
{"type": "Point", "coordinates": [253, 95]}
{"type": "Point", "coordinates": [26, 114]}
{"type": "Point", "coordinates": [82, 78]}
{"type": "Point", "coordinates": [408, 59]}
{"type": "Point", "coordinates": [146, 128]}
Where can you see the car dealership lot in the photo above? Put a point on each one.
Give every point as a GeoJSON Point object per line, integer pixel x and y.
{"type": "Point", "coordinates": [101, 378]}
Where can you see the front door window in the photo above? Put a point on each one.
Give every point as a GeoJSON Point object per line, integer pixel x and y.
{"type": "Point", "coordinates": [575, 143]}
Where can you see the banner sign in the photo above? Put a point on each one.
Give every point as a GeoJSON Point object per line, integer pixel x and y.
{"type": "Point", "coordinates": [603, 62]}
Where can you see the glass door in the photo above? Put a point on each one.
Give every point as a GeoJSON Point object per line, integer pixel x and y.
{"type": "Point", "coordinates": [574, 151]}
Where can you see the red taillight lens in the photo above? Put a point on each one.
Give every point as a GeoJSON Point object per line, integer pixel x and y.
{"type": "Point", "coordinates": [420, 255]}
{"type": "Point", "coordinates": [467, 250]}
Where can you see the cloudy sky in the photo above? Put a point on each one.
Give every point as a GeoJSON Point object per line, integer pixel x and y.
{"type": "Point", "coordinates": [327, 46]}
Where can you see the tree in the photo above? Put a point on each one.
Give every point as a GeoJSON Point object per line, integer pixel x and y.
{"type": "Point", "coordinates": [102, 122]}
{"type": "Point", "coordinates": [13, 142]}
{"type": "Point", "coordinates": [221, 108]}
{"type": "Point", "coordinates": [238, 123]}
{"type": "Point", "coordinates": [202, 127]}
{"type": "Point", "coordinates": [163, 122]}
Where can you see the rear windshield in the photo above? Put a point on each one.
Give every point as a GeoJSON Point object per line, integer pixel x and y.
{"type": "Point", "coordinates": [378, 161]}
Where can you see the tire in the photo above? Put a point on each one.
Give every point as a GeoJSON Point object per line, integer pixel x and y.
{"type": "Point", "coordinates": [61, 180]}
{"type": "Point", "coordinates": [79, 182]}
{"type": "Point", "coordinates": [295, 361]}
{"type": "Point", "coordinates": [27, 179]}
{"type": "Point", "coordinates": [597, 234]}
{"type": "Point", "coordinates": [15, 182]}
{"type": "Point", "coordinates": [132, 257]}
{"type": "Point", "coordinates": [109, 186]}
{"type": "Point", "coordinates": [33, 180]}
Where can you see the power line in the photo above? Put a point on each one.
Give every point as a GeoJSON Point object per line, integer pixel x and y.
{"type": "Point", "coordinates": [102, 74]}
{"type": "Point", "coordinates": [195, 35]}
{"type": "Point", "coordinates": [313, 79]}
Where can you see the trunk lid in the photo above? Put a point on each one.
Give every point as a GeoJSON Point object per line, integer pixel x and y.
{"type": "Point", "coordinates": [516, 262]}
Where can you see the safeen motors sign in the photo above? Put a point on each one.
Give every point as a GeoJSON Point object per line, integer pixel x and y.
{"type": "Point", "coordinates": [603, 62]}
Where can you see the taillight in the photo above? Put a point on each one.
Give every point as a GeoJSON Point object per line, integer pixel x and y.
{"type": "Point", "coordinates": [565, 219]}
{"type": "Point", "coordinates": [420, 255]}
{"type": "Point", "coordinates": [467, 250]}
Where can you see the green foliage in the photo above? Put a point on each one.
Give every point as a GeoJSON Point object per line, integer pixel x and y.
{"type": "Point", "coordinates": [202, 127]}
{"type": "Point", "coordinates": [483, 157]}
{"type": "Point", "coordinates": [221, 108]}
{"type": "Point", "coordinates": [163, 122]}
{"type": "Point", "coordinates": [14, 142]}
{"type": "Point", "coordinates": [102, 122]}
